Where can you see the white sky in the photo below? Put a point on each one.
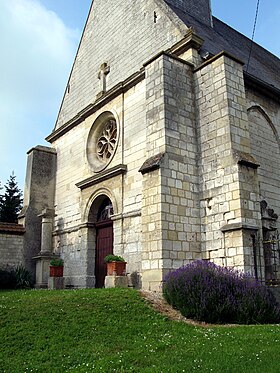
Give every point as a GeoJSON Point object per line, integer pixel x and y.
{"type": "Point", "coordinates": [38, 41]}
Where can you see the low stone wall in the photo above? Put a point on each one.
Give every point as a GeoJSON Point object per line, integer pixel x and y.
{"type": "Point", "coordinates": [11, 245]}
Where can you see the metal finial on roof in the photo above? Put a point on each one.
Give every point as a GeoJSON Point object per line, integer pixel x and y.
{"type": "Point", "coordinates": [253, 34]}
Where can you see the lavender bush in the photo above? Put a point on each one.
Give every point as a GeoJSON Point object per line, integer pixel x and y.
{"type": "Point", "coordinates": [207, 292]}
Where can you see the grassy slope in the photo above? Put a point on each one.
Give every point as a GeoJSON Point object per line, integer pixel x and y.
{"type": "Point", "coordinates": [114, 330]}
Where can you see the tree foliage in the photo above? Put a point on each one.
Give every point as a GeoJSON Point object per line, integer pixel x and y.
{"type": "Point", "coordinates": [10, 201]}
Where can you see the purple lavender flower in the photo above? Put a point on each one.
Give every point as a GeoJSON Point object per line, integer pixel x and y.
{"type": "Point", "coordinates": [207, 292]}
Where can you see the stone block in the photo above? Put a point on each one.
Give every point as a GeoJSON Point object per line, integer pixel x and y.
{"type": "Point", "coordinates": [116, 282]}
{"type": "Point", "coordinates": [56, 283]}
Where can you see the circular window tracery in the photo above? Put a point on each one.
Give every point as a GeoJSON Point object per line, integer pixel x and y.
{"type": "Point", "coordinates": [102, 141]}
{"type": "Point", "coordinates": [107, 141]}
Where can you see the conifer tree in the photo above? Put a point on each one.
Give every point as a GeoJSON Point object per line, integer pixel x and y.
{"type": "Point", "coordinates": [10, 201]}
{"type": "Point", "coordinates": [1, 197]}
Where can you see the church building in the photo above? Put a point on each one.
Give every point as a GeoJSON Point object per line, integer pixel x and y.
{"type": "Point", "coordinates": [166, 150]}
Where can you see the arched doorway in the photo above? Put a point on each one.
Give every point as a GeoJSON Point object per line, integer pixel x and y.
{"type": "Point", "coordinates": [104, 240]}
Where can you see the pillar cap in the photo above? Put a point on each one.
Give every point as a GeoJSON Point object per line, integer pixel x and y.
{"type": "Point", "coordinates": [47, 213]}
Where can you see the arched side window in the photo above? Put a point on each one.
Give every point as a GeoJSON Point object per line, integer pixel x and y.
{"type": "Point", "coordinates": [265, 148]}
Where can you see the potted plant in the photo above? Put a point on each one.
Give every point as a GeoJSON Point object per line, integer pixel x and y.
{"type": "Point", "coordinates": [116, 265]}
{"type": "Point", "coordinates": [56, 267]}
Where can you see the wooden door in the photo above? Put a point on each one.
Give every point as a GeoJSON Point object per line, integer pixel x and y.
{"type": "Point", "coordinates": [104, 246]}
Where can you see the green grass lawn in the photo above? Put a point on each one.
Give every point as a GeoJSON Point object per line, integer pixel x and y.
{"type": "Point", "coordinates": [114, 330]}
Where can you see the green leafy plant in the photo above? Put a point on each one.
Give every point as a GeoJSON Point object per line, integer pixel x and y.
{"type": "Point", "coordinates": [113, 258]}
{"type": "Point", "coordinates": [56, 263]}
{"type": "Point", "coordinates": [23, 278]}
{"type": "Point", "coordinates": [18, 278]}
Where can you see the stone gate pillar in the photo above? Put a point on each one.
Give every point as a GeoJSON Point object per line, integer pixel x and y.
{"type": "Point", "coordinates": [45, 255]}
{"type": "Point", "coordinates": [38, 195]}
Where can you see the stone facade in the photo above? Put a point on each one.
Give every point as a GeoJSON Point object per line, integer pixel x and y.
{"type": "Point", "coordinates": [138, 30]}
{"type": "Point", "coordinates": [176, 155]}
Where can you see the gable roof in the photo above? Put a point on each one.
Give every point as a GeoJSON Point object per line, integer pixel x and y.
{"type": "Point", "coordinates": [102, 42]}
{"type": "Point", "coordinates": [123, 34]}
{"type": "Point", "coordinates": [264, 66]}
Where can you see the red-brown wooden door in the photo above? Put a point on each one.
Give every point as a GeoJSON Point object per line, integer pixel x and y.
{"type": "Point", "coordinates": [104, 246]}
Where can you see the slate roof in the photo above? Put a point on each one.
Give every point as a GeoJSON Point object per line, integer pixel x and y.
{"type": "Point", "coordinates": [263, 65]}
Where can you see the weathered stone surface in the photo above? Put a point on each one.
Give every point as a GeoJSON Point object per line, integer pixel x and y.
{"type": "Point", "coordinates": [38, 195]}
{"type": "Point", "coordinates": [56, 283]}
{"type": "Point", "coordinates": [11, 245]}
{"type": "Point", "coordinates": [151, 164]}
{"type": "Point", "coordinates": [116, 282]}
{"type": "Point", "coordinates": [220, 141]}
{"type": "Point", "coordinates": [132, 22]}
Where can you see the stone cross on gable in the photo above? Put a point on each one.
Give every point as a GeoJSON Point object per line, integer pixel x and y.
{"type": "Point", "coordinates": [102, 75]}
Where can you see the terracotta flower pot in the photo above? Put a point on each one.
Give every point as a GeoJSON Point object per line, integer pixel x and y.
{"type": "Point", "coordinates": [116, 268]}
{"type": "Point", "coordinates": [56, 271]}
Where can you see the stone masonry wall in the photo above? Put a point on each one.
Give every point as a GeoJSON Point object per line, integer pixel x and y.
{"type": "Point", "coordinates": [138, 30]}
{"type": "Point", "coordinates": [179, 183]}
{"type": "Point", "coordinates": [72, 239]}
{"type": "Point", "coordinates": [73, 167]}
{"type": "Point", "coordinates": [11, 245]}
{"type": "Point", "coordinates": [170, 211]}
{"type": "Point", "coordinates": [264, 126]}
{"type": "Point", "coordinates": [229, 191]}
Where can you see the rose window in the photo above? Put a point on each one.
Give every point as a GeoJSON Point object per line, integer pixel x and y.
{"type": "Point", "coordinates": [107, 140]}
{"type": "Point", "coordinates": [102, 141]}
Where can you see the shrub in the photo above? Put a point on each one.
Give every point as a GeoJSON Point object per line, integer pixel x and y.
{"type": "Point", "coordinates": [23, 278]}
{"type": "Point", "coordinates": [56, 262]}
{"type": "Point", "coordinates": [207, 292]}
{"type": "Point", "coordinates": [18, 278]}
{"type": "Point", "coordinates": [7, 279]}
{"type": "Point", "coordinates": [113, 258]}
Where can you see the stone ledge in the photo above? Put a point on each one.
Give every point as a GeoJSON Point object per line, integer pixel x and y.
{"type": "Point", "coordinates": [245, 159]}
{"type": "Point", "coordinates": [191, 40]}
{"type": "Point", "coordinates": [74, 228]}
{"type": "Point", "coordinates": [114, 92]}
{"type": "Point", "coordinates": [151, 164]}
{"type": "Point", "coordinates": [41, 148]}
{"type": "Point", "coordinates": [102, 176]}
{"type": "Point", "coordinates": [129, 214]}
{"type": "Point", "coordinates": [238, 226]}
{"type": "Point", "coordinates": [170, 55]}
{"type": "Point", "coordinates": [217, 56]}
{"type": "Point", "coordinates": [261, 86]}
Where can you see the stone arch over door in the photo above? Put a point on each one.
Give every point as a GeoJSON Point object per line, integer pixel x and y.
{"type": "Point", "coordinates": [93, 203]}
{"type": "Point", "coordinates": [101, 235]}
